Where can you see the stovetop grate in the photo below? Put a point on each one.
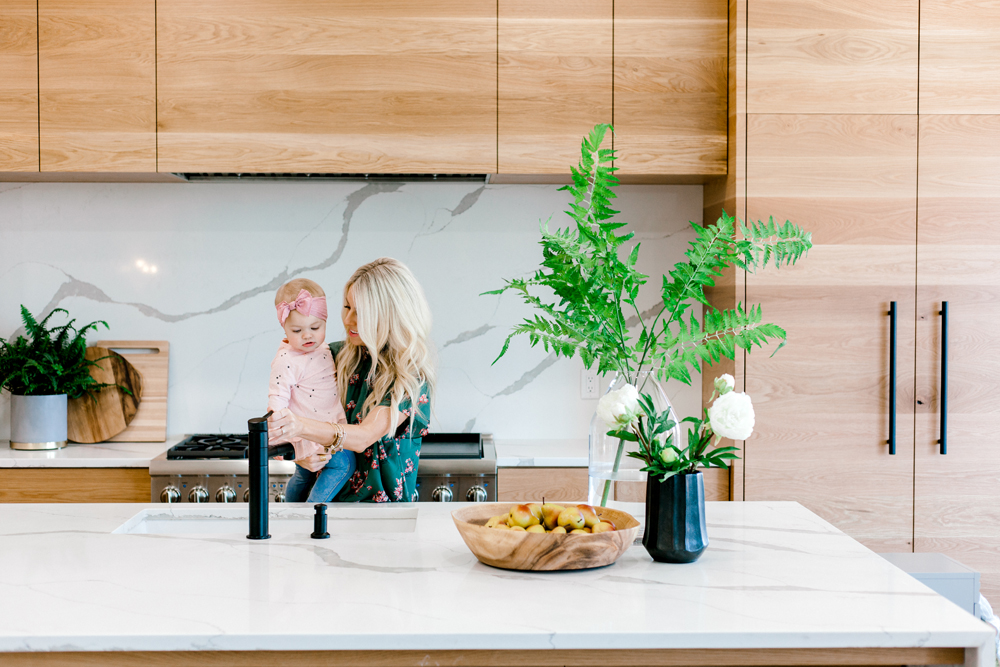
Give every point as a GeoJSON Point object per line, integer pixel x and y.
{"type": "Point", "coordinates": [211, 446]}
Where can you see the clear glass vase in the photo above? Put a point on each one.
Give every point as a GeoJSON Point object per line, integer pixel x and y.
{"type": "Point", "coordinates": [609, 461]}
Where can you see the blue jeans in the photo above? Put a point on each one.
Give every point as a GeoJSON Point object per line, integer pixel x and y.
{"type": "Point", "coordinates": [322, 486]}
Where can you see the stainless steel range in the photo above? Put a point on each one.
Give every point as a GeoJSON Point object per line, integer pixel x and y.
{"type": "Point", "coordinates": [207, 468]}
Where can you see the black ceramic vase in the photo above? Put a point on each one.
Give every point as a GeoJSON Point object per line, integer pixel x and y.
{"type": "Point", "coordinates": [675, 518]}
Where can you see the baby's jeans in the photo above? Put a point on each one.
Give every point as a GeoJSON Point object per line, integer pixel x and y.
{"type": "Point", "coordinates": [322, 486]}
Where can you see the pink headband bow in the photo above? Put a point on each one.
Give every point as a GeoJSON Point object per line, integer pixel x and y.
{"type": "Point", "coordinates": [305, 303]}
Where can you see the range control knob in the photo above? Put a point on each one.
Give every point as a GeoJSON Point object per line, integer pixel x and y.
{"type": "Point", "coordinates": [246, 496]}
{"type": "Point", "coordinates": [442, 494]}
{"type": "Point", "coordinates": [170, 495]}
{"type": "Point", "coordinates": [279, 497]}
{"type": "Point", "coordinates": [225, 494]}
{"type": "Point", "coordinates": [198, 494]}
{"type": "Point", "coordinates": [476, 494]}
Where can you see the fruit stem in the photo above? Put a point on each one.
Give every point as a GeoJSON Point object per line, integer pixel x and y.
{"type": "Point", "coordinates": [607, 482]}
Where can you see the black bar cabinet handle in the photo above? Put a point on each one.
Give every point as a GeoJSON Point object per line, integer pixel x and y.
{"type": "Point", "coordinates": [944, 377]}
{"type": "Point", "coordinates": [892, 377]}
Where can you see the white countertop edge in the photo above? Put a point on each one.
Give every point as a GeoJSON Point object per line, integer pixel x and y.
{"type": "Point", "coordinates": [496, 642]}
{"type": "Point", "coordinates": [78, 455]}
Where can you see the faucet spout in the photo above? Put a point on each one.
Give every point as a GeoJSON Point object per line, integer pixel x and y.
{"type": "Point", "coordinates": [257, 428]}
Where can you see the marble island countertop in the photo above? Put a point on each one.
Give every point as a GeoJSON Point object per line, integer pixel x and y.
{"type": "Point", "coordinates": [774, 576]}
{"type": "Point", "coordinates": [98, 455]}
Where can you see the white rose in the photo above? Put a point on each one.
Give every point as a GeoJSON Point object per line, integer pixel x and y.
{"type": "Point", "coordinates": [725, 383]}
{"type": "Point", "coordinates": [731, 416]}
{"type": "Point", "coordinates": [619, 408]}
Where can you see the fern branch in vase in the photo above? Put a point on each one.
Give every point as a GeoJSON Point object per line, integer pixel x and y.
{"type": "Point", "coordinates": [590, 269]}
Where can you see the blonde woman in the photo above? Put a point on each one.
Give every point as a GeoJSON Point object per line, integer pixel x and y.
{"type": "Point", "coordinates": [385, 375]}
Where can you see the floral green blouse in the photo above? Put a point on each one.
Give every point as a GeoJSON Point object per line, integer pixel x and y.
{"type": "Point", "coordinates": [387, 470]}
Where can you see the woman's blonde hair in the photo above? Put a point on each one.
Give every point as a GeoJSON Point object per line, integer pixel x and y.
{"type": "Point", "coordinates": [394, 323]}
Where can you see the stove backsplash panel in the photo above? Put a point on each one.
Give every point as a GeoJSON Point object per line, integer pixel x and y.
{"type": "Point", "coordinates": [198, 264]}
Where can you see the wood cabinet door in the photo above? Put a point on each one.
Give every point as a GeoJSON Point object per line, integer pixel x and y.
{"type": "Point", "coordinates": [97, 85]}
{"type": "Point", "coordinates": [18, 85]}
{"type": "Point", "coordinates": [817, 56]}
{"type": "Point", "coordinates": [391, 86]}
{"type": "Point", "coordinates": [822, 402]}
{"type": "Point", "coordinates": [554, 81]}
{"type": "Point", "coordinates": [959, 57]}
{"type": "Point", "coordinates": [958, 493]}
{"type": "Point", "coordinates": [670, 96]}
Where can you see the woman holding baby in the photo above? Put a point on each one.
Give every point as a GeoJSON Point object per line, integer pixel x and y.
{"type": "Point", "coordinates": [356, 419]}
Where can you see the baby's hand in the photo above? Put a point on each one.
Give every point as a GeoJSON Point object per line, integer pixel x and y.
{"type": "Point", "coordinates": [313, 463]}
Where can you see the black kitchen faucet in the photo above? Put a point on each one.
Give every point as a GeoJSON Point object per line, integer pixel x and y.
{"type": "Point", "coordinates": [260, 454]}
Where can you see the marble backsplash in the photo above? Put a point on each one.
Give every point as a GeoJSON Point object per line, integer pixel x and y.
{"type": "Point", "coordinates": [197, 264]}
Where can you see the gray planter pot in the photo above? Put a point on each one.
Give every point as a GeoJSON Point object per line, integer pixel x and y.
{"type": "Point", "coordinates": [38, 422]}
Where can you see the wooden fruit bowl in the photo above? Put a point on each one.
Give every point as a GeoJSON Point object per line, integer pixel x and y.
{"type": "Point", "coordinates": [514, 550]}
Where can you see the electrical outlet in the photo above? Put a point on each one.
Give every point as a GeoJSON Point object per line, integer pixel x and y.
{"type": "Point", "coordinates": [588, 384]}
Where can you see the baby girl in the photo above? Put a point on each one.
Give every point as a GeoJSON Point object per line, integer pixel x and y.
{"type": "Point", "coordinates": [303, 379]}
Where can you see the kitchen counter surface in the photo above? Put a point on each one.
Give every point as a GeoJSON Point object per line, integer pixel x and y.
{"type": "Point", "coordinates": [542, 453]}
{"type": "Point", "coordinates": [99, 455]}
{"type": "Point", "coordinates": [775, 576]}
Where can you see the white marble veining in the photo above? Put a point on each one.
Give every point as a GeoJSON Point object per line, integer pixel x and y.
{"type": "Point", "coordinates": [775, 575]}
{"type": "Point", "coordinates": [98, 455]}
{"type": "Point", "coordinates": [221, 249]}
{"type": "Point", "coordinates": [538, 453]}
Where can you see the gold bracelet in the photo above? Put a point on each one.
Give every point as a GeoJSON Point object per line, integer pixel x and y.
{"type": "Point", "coordinates": [338, 438]}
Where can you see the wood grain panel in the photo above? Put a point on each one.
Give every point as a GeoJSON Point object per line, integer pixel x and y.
{"type": "Point", "coordinates": [959, 56]}
{"type": "Point", "coordinates": [855, 657]}
{"type": "Point", "coordinates": [822, 401]}
{"type": "Point", "coordinates": [532, 484]}
{"type": "Point", "coordinates": [670, 90]}
{"type": "Point", "coordinates": [97, 85]}
{"type": "Point", "coordinates": [305, 85]}
{"type": "Point", "coordinates": [555, 79]}
{"type": "Point", "coordinates": [18, 86]}
{"type": "Point", "coordinates": [958, 495]}
{"type": "Point", "coordinates": [74, 485]}
{"type": "Point", "coordinates": [833, 56]}
{"type": "Point", "coordinates": [728, 193]}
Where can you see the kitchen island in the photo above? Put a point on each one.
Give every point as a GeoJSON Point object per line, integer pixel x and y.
{"type": "Point", "coordinates": [777, 586]}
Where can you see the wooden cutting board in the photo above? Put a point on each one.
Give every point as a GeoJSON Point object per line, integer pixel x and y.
{"type": "Point", "coordinates": [89, 420]}
{"type": "Point", "coordinates": [152, 359]}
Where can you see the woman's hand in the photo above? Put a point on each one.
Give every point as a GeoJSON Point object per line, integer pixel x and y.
{"type": "Point", "coordinates": [283, 425]}
{"type": "Point", "coordinates": [314, 463]}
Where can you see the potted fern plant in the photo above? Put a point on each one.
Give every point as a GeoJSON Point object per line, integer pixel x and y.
{"type": "Point", "coordinates": [41, 372]}
{"type": "Point", "coordinates": [589, 269]}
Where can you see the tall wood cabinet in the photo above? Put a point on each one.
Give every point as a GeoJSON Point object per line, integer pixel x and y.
{"type": "Point", "coordinates": [899, 184]}
{"type": "Point", "coordinates": [823, 401]}
{"type": "Point", "coordinates": [957, 493]}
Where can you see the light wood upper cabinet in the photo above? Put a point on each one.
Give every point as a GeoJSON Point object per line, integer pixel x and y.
{"type": "Point", "coordinates": [554, 81]}
{"type": "Point", "coordinates": [670, 87]}
{"type": "Point", "coordinates": [822, 402]}
{"type": "Point", "coordinates": [18, 86]}
{"type": "Point", "coordinates": [306, 85]}
{"type": "Point", "coordinates": [957, 494]}
{"type": "Point", "coordinates": [959, 57]}
{"type": "Point", "coordinates": [97, 85]}
{"type": "Point", "coordinates": [832, 56]}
